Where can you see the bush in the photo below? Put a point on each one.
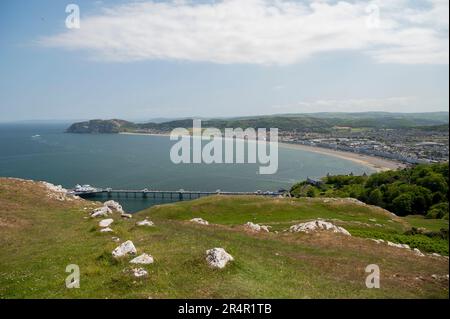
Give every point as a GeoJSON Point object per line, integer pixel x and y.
{"type": "Point", "coordinates": [438, 211]}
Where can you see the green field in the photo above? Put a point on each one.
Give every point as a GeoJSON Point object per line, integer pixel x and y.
{"type": "Point", "coordinates": [41, 236]}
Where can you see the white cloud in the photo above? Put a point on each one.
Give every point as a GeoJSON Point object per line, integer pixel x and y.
{"type": "Point", "coordinates": [262, 31]}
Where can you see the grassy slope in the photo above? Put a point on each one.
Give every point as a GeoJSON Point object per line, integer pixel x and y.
{"type": "Point", "coordinates": [40, 236]}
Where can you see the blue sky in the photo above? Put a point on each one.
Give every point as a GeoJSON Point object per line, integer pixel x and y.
{"type": "Point", "coordinates": [147, 59]}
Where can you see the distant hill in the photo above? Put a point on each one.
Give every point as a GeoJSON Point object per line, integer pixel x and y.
{"type": "Point", "coordinates": [316, 122]}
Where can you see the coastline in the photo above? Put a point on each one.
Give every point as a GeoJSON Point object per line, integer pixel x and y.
{"type": "Point", "coordinates": [377, 163]}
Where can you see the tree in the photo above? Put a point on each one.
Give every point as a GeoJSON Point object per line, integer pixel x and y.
{"type": "Point", "coordinates": [376, 197]}
{"type": "Point", "coordinates": [403, 204]}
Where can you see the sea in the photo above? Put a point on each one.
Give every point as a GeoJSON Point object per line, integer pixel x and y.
{"type": "Point", "coordinates": [43, 151]}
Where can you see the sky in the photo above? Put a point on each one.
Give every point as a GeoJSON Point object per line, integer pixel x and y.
{"type": "Point", "coordinates": [166, 59]}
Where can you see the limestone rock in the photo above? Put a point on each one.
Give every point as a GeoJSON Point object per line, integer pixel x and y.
{"type": "Point", "coordinates": [218, 257]}
{"type": "Point", "coordinates": [139, 272]}
{"type": "Point", "coordinates": [145, 222]}
{"type": "Point", "coordinates": [404, 246]}
{"type": "Point", "coordinates": [418, 252]}
{"type": "Point", "coordinates": [114, 206]}
{"type": "Point", "coordinates": [106, 222]}
{"type": "Point", "coordinates": [101, 212]}
{"type": "Point", "coordinates": [318, 225]}
{"type": "Point", "coordinates": [59, 193]}
{"type": "Point", "coordinates": [144, 259]}
{"type": "Point", "coordinates": [256, 227]}
{"type": "Point", "coordinates": [126, 215]}
{"type": "Point", "coordinates": [200, 221]}
{"type": "Point", "coordinates": [106, 230]}
{"type": "Point", "coordinates": [126, 248]}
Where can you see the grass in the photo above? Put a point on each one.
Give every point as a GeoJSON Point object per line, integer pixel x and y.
{"type": "Point", "coordinates": [41, 236]}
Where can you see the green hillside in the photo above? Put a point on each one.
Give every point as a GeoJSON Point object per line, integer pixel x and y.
{"type": "Point", "coordinates": [40, 236]}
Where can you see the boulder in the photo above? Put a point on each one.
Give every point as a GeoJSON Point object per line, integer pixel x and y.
{"type": "Point", "coordinates": [115, 239]}
{"type": "Point", "coordinates": [145, 222]}
{"type": "Point", "coordinates": [418, 252]}
{"type": "Point", "coordinates": [200, 221]}
{"type": "Point", "coordinates": [126, 215]}
{"type": "Point", "coordinates": [318, 225]}
{"type": "Point", "coordinates": [59, 193]}
{"type": "Point", "coordinates": [114, 206]}
{"type": "Point", "coordinates": [404, 246]}
{"type": "Point", "coordinates": [106, 222]}
{"type": "Point", "coordinates": [101, 212]}
{"type": "Point", "coordinates": [139, 272]}
{"type": "Point", "coordinates": [126, 248]}
{"type": "Point", "coordinates": [106, 230]}
{"type": "Point", "coordinates": [144, 259]}
{"type": "Point", "coordinates": [218, 257]}
{"type": "Point", "coordinates": [256, 227]}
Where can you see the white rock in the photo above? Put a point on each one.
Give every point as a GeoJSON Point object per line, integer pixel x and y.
{"type": "Point", "coordinates": [378, 241]}
{"type": "Point", "coordinates": [115, 206]}
{"type": "Point", "coordinates": [115, 239]}
{"type": "Point", "coordinates": [144, 259]}
{"type": "Point", "coordinates": [126, 248]}
{"type": "Point", "coordinates": [139, 272]}
{"type": "Point", "coordinates": [101, 212]}
{"type": "Point", "coordinates": [58, 192]}
{"type": "Point", "coordinates": [126, 215]}
{"type": "Point", "coordinates": [256, 227]}
{"type": "Point", "coordinates": [404, 246]}
{"type": "Point", "coordinates": [106, 222]}
{"type": "Point", "coordinates": [200, 221]}
{"type": "Point", "coordinates": [318, 225]}
{"type": "Point", "coordinates": [145, 222]}
{"type": "Point", "coordinates": [418, 252]}
{"type": "Point", "coordinates": [218, 257]}
{"type": "Point", "coordinates": [106, 230]}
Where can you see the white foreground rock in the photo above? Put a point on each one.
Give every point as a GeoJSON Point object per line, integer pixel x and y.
{"type": "Point", "coordinates": [143, 259]}
{"type": "Point", "coordinates": [404, 246]}
{"type": "Point", "coordinates": [113, 205]}
{"type": "Point", "coordinates": [200, 221]}
{"type": "Point", "coordinates": [106, 230]}
{"type": "Point", "coordinates": [218, 257]}
{"type": "Point", "coordinates": [58, 192]}
{"type": "Point", "coordinates": [256, 227]}
{"type": "Point", "coordinates": [145, 222]}
{"type": "Point", "coordinates": [418, 252]}
{"type": "Point", "coordinates": [126, 248]}
{"type": "Point", "coordinates": [101, 212]}
{"type": "Point", "coordinates": [139, 272]}
{"type": "Point", "coordinates": [318, 225]}
{"type": "Point", "coordinates": [106, 222]}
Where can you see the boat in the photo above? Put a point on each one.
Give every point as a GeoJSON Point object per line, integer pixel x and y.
{"type": "Point", "coordinates": [84, 188]}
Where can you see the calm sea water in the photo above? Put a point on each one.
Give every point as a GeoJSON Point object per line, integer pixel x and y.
{"type": "Point", "coordinates": [137, 162]}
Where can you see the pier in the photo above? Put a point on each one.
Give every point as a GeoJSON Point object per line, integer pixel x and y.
{"type": "Point", "coordinates": [179, 194]}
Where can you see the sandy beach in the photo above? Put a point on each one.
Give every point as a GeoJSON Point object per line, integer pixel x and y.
{"type": "Point", "coordinates": [377, 163]}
